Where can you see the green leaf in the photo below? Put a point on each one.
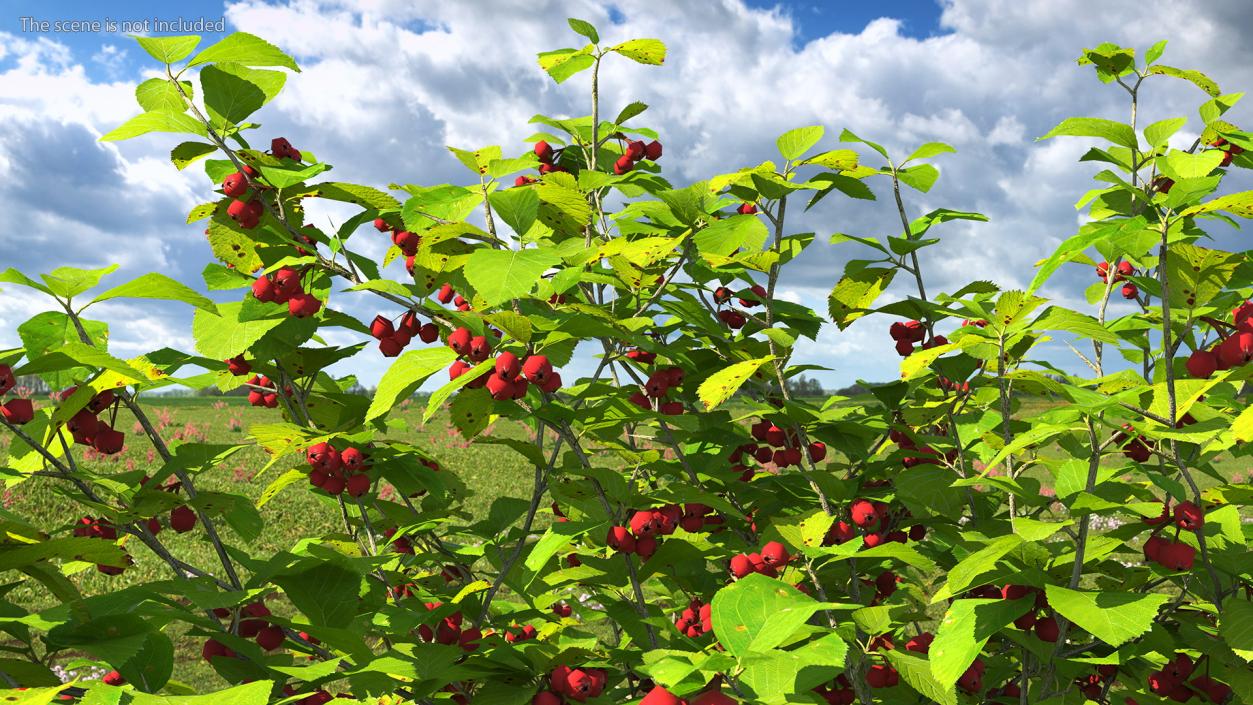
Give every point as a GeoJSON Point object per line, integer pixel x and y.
{"type": "Point", "coordinates": [12, 276]}
{"type": "Point", "coordinates": [564, 63]}
{"type": "Point", "coordinates": [856, 292]}
{"type": "Point", "coordinates": [556, 537]}
{"type": "Point", "coordinates": [1180, 165]}
{"type": "Point", "coordinates": [757, 613]}
{"type": "Point", "coordinates": [1236, 627]}
{"type": "Point", "coordinates": [221, 335]}
{"type": "Point", "coordinates": [970, 568]}
{"type": "Point", "coordinates": [246, 49]}
{"type": "Point", "coordinates": [1057, 318]}
{"type": "Point", "coordinates": [1159, 132]}
{"type": "Point", "coordinates": [71, 281]}
{"type": "Point", "coordinates": [1198, 274]}
{"type": "Point", "coordinates": [1113, 617]}
{"type": "Point", "coordinates": [847, 136]}
{"type": "Point", "coordinates": [167, 50]}
{"type": "Point", "coordinates": [921, 177]}
{"type": "Point", "coordinates": [232, 92]}
{"type": "Point", "coordinates": [793, 143]}
{"type": "Point", "coordinates": [186, 154]}
{"type": "Point", "coordinates": [584, 28]}
{"type": "Point", "coordinates": [1119, 133]}
{"type": "Point", "coordinates": [916, 672]}
{"type": "Point", "coordinates": [158, 286]}
{"type": "Point", "coordinates": [644, 51]}
{"type": "Point", "coordinates": [405, 375]}
{"type": "Point", "coordinates": [966, 627]}
{"type": "Point", "coordinates": [927, 491]}
{"type": "Point", "coordinates": [837, 159]}
{"type": "Point", "coordinates": [1240, 204]}
{"type": "Point", "coordinates": [721, 385]}
{"type": "Point", "coordinates": [1085, 238]}
{"type": "Point", "coordinates": [471, 411]}
{"type": "Point", "coordinates": [233, 247]}
{"type": "Point", "coordinates": [1155, 52]}
{"type": "Point", "coordinates": [255, 693]}
{"type": "Point", "coordinates": [928, 150]}
{"type": "Point", "coordinates": [13, 556]}
{"type": "Point", "coordinates": [325, 593]}
{"type": "Point", "coordinates": [50, 330]}
{"type": "Point", "coordinates": [364, 196]}
{"type": "Point", "coordinates": [630, 111]}
{"type": "Point", "coordinates": [155, 121]}
{"type": "Point", "coordinates": [161, 95]}
{"type": "Point", "coordinates": [774, 675]}
{"type": "Point", "coordinates": [1197, 78]}
{"type": "Point", "coordinates": [436, 401]}
{"type": "Point", "coordinates": [500, 275]}
{"type": "Point", "coordinates": [723, 237]}
{"type": "Point", "coordinates": [518, 207]}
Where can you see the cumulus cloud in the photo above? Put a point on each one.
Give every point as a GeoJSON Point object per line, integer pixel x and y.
{"type": "Point", "coordinates": [388, 84]}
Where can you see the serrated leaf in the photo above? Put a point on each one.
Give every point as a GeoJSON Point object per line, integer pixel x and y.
{"type": "Point", "coordinates": [188, 153]}
{"type": "Point", "coordinates": [964, 574]}
{"type": "Point", "coordinates": [564, 63]}
{"type": "Point", "coordinates": [246, 49]}
{"type": "Point", "coordinates": [630, 111]}
{"type": "Point", "coordinates": [232, 92]}
{"type": "Point", "coordinates": [723, 237]}
{"type": "Point", "coordinates": [233, 247]}
{"type": "Point", "coordinates": [1159, 132]}
{"type": "Point", "coordinates": [436, 401]}
{"type": "Point", "coordinates": [500, 275]}
{"type": "Point", "coordinates": [966, 627]}
{"type": "Point", "coordinates": [158, 286]}
{"type": "Point", "coordinates": [405, 375]}
{"type": "Point", "coordinates": [1196, 78]}
{"type": "Point", "coordinates": [518, 207]}
{"type": "Point", "coordinates": [325, 593]}
{"type": "Point", "coordinates": [793, 143]}
{"type": "Point", "coordinates": [928, 150]}
{"type": "Point", "coordinates": [721, 385]}
{"type": "Point", "coordinates": [1236, 627]}
{"type": "Point", "coordinates": [1240, 204]}
{"type": "Point", "coordinates": [916, 672]}
{"type": "Point", "coordinates": [155, 121]}
{"type": "Point", "coordinates": [161, 95]}
{"type": "Point", "coordinates": [855, 293]}
{"type": "Point", "coordinates": [72, 281]}
{"type": "Point", "coordinates": [1113, 617]}
{"type": "Point", "coordinates": [1057, 318]}
{"type": "Point", "coordinates": [644, 51]}
{"type": "Point", "coordinates": [757, 613]}
{"type": "Point", "coordinates": [584, 28]}
{"type": "Point", "coordinates": [1119, 133]}
{"type": "Point", "coordinates": [471, 411]}
{"type": "Point", "coordinates": [921, 176]}
{"type": "Point", "coordinates": [167, 50]}
{"type": "Point", "coordinates": [221, 335]}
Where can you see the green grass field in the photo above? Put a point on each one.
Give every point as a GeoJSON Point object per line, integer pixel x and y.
{"type": "Point", "coordinates": [489, 472]}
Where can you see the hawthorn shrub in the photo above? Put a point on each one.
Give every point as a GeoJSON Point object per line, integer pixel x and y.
{"type": "Point", "coordinates": [713, 539]}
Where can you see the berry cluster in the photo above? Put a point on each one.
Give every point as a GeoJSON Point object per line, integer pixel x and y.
{"type": "Point", "coordinates": [15, 411]}
{"type": "Point", "coordinates": [547, 156]}
{"type": "Point", "coordinates": [88, 429]}
{"type": "Point", "coordinates": [1173, 554]}
{"type": "Point", "coordinates": [772, 559]}
{"type": "Point", "coordinates": [447, 294]}
{"type": "Point", "coordinates": [878, 522]}
{"type": "Point", "coordinates": [449, 631]}
{"type": "Point", "coordinates": [734, 319]}
{"type": "Point", "coordinates": [660, 696]}
{"type": "Point", "coordinates": [1234, 350]}
{"type": "Point", "coordinates": [394, 337]}
{"type": "Point", "coordinates": [263, 392]}
{"type": "Point", "coordinates": [1136, 444]}
{"type": "Point", "coordinates": [908, 333]}
{"type": "Point", "coordinates": [337, 471]}
{"type": "Point", "coordinates": [577, 684]}
{"type": "Point", "coordinates": [284, 286]}
{"type": "Point", "coordinates": [696, 620]}
{"type": "Point", "coordinates": [783, 448]}
{"type": "Point", "coordinates": [1171, 681]}
{"type": "Point", "coordinates": [635, 151]}
{"type": "Point", "coordinates": [1123, 270]}
{"type": "Point", "coordinates": [658, 386]}
{"type": "Point", "coordinates": [648, 524]}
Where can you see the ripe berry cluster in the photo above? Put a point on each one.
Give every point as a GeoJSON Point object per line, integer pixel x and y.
{"type": "Point", "coordinates": [635, 151]}
{"type": "Point", "coordinates": [658, 695]}
{"type": "Point", "coordinates": [89, 429]}
{"type": "Point", "coordinates": [337, 471]}
{"type": "Point", "coordinates": [908, 333]}
{"type": "Point", "coordinates": [577, 684]}
{"type": "Point", "coordinates": [284, 286]}
{"type": "Point", "coordinates": [1173, 554]}
{"type": "Point", "coordinates": [394, 337]}
{"type": "Point", "coordinates": [1234, 350]}
{"type": "Point", "coordinates": [1121, 272]}
{"type": "Point", "coordinates": [16, 411]}
{"type": "Point", "coordinates": [734, 319]}
{"type": "Point", "coordinates": [769, 562]}
{"type": "Point", "coordinates": [510, 377]}
{"type": "Point", "coordinates": [696, 620]}
{"type": "Point", "coordinates": [657, 387]}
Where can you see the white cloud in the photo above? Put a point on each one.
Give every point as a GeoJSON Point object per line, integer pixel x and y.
{"type": "Point", "coordinates": [387, 84]}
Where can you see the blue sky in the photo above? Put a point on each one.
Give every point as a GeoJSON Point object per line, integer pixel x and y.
{"type": "Point", "coordinates": [387, 84]}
